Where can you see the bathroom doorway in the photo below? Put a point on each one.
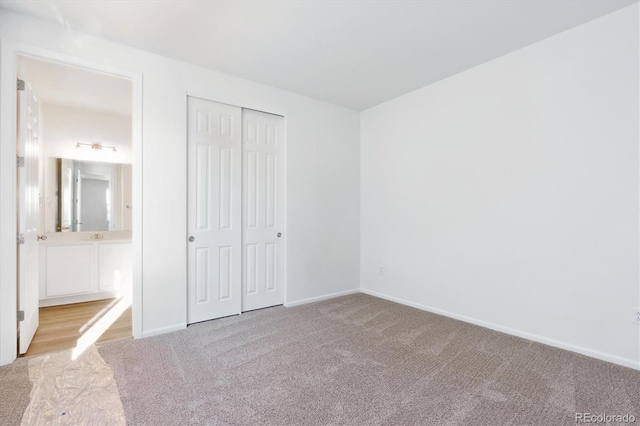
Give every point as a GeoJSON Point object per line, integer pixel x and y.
{"type": "Point", "coordinates": [74, 175]}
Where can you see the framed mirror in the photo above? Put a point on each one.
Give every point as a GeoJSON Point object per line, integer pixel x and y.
{"type": "Point", "coordinates": [90, 196]}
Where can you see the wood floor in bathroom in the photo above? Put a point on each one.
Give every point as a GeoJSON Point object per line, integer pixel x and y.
{"type": "Point", "coordinates": [61, 326]}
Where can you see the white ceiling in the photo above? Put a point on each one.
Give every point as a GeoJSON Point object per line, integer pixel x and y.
{"type": "Point", "coordinates": [77, 87]}
{"type": "Point", "coordinates": [351, 53]}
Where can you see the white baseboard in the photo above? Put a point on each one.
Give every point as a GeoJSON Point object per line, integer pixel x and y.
{"type": "Point", "coordinates": [169, 329]}
{"type": "Point", "coordinates": [319, 298]}
{"type": "Point", "coordinates": [626, 362]}
{"type": "Point", "coordinates": [163, 330]}
{"type": "Point", "coordinates": [66, 300]}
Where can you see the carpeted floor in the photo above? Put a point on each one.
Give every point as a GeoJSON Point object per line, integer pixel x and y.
{"type": "Point", "coordinates": [354, 360]}
{"type": "Point", "coordinates": [15, 388]}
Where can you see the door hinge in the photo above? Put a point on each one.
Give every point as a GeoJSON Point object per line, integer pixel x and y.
{"type": "Point", "coordinates": [20, 85]}
{"type": "Point", "coordinates": [20, 316]}
{"type": "Point", "coordinates": [20, 239]}
{"type": "Point", "coordinates": [19, 161]}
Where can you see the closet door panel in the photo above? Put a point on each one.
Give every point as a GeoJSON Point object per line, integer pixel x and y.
{"type": "Point", "coordinates": [263, 210]}
{"type": "Point", "coordinates": [214, 212]}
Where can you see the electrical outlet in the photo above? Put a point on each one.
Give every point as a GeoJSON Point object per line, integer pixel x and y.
{"type": "Point", "coordinates": [636, 316]}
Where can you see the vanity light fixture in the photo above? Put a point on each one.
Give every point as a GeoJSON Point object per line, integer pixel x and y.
{"type": "Point", "coordinates": [95, 146]}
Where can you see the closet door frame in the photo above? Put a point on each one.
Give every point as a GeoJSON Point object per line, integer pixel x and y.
{"type": "Point", "coordinates": [243, 104]}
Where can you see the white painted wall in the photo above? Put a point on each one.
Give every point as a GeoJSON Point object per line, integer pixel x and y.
{"type": "Point", "coordinates": [508, 194]}
{"type": "Point", "coordinates": [64, 126]}
{"type": "Point", "coordinates": [322, 161]}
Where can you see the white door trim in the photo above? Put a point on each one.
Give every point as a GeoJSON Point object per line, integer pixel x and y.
{"type": "Point", "coordinates": [285, 168]}
{"type": "Point", "coordinates": [9, 51]}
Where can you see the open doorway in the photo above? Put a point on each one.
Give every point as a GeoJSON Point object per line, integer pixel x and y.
{"type": "Point", "coordinates": [74, 209]}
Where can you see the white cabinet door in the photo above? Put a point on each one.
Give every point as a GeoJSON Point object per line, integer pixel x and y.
{"type": "Point", "coordinates": [115, 267]}
{"type": "Point", "coordinates": [28, 215]}
{"type": "Point", "coordinates": [263, 210]}
{"type": "Point", "coordinates": [68, 269]}
{"type": "Point", "coordinates": [214, 215]}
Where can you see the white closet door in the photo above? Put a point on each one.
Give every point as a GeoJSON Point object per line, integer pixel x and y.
{"type": "Point", "coordinates": [214, 215]}
{"type": "Point", "coordinates": [263, 210]}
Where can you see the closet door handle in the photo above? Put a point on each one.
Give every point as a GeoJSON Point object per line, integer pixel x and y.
{"type": "Point", "coordinates": [192, 239]}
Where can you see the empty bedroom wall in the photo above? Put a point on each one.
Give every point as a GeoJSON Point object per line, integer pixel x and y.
{"type": "Point", "coordinates": [508, 194]}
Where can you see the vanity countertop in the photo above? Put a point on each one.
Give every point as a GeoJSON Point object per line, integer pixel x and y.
{"type": "Point", "coordinates": [86, 237]}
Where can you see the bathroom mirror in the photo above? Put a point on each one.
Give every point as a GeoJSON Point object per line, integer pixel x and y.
{"type": "Point", "coordinates": [88, 197]}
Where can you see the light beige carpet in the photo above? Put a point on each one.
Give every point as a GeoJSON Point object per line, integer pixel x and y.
{"type": "Point", "coordinates": [359, 360]}
{"type": "Point", "coordinates": [15, 388]}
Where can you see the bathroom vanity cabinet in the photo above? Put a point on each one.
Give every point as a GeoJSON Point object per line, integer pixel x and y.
{"type": "Point", "coordinates": [79, 267]}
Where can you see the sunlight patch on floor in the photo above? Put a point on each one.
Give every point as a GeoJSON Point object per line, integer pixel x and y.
{"type": "Point", "coordinates": [97, 316]}
{"type": "Point", "coordinates": [101, 325]}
